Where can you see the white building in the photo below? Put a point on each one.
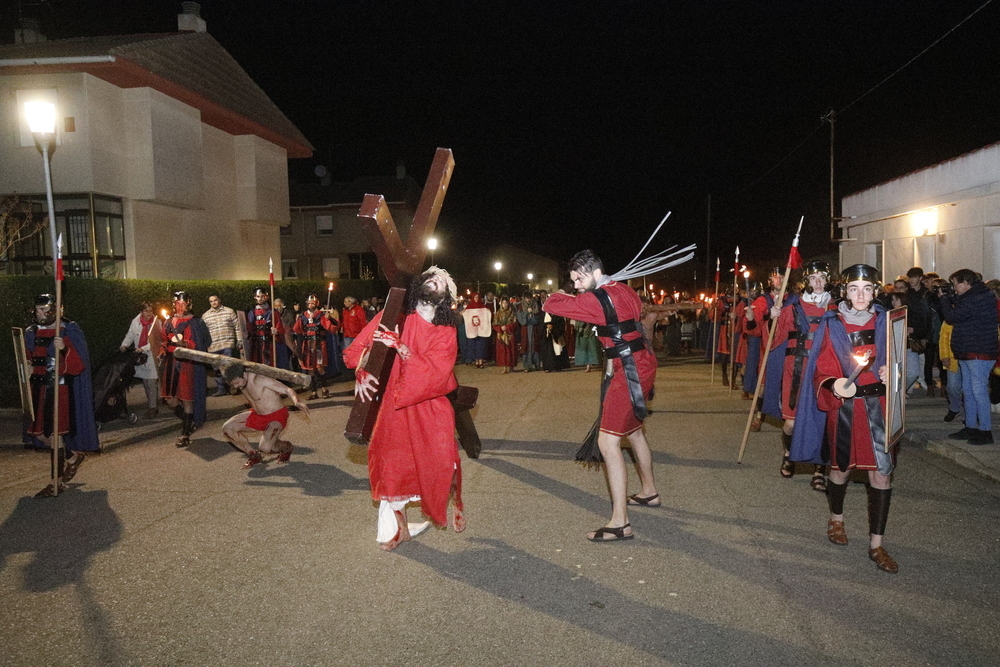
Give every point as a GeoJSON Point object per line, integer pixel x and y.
{"type": "Point", "coordinates": [169, 161]}
{"type": "Point", "coordinates": [942, 218]}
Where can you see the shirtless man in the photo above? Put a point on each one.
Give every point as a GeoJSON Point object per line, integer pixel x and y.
{"type": "Point", "coordinates": [267, 415]}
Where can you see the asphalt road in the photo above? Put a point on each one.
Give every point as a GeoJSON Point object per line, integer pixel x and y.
{"type": "Point", "coordinates": [161, 556]}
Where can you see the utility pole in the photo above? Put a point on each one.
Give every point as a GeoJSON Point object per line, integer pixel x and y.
{"type": "Point", "coordinates": [831, 117]}
{"type": "Point", "coordinates": [708, 241]}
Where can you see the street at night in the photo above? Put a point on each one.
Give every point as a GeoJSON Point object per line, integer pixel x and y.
{"type": "Point", "coordinates": [160, 555]}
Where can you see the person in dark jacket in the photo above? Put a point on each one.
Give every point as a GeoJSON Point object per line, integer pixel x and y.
{"type": "Point", "coordinates": [920, 321]}
{"type": "Point", "coordinates": [972, 311]}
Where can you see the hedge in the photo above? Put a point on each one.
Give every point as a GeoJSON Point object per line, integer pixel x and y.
{"type": "Point", "coordinates": [104, 307]}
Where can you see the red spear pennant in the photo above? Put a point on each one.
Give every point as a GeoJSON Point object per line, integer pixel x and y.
{"type": "Point", "coordinates": [794, 262]}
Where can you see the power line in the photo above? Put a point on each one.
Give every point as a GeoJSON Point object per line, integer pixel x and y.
{"type": "Point", "coordinates": [856, 100]}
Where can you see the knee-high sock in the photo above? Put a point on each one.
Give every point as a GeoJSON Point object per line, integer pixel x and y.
{"type": "Point", "coordinates": [725, 373]}
{"type": "Point", "coordinates": [387, 525]}
{"type": "Point", "coordinates": [786, 442]}
{"type": "Point", "coordinates": [878, 509]}
{"type": "Point", "coordinates": [187, 423]}
{"type": "Point", "coordinates": [836, 493]}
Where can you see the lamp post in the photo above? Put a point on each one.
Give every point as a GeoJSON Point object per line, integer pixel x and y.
{"type": "Point", "coordinates": [41, 117]}
{"type": "Point", "coordinates": [432, 244]}
{"type": "Point", "coordinates": [530, 276]}
{"type": "Point", "coordinates": [498, 266]}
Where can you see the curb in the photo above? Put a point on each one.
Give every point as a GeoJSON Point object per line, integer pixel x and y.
{"type": "Point", "coordinates": [954, 452]}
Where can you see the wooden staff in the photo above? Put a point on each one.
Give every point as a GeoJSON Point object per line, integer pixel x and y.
{"type": "Point", "coordinates": [732, 322]}
{"type": "Point", "coordinates": [770, 338]}
{"type": "Point", "coordinates": [714, 342]}
{"type": "Point", "coordinates": [274, 324]}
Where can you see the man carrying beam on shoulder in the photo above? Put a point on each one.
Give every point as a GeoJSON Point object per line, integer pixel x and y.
{"type": "Point", "coordinates": [267, 415]}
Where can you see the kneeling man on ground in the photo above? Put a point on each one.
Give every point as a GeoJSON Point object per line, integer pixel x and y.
{"type": "Point", "coordinates": [267, 415]}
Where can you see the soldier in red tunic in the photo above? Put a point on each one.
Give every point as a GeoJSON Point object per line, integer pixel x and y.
{"type": "Point", "coordinates": [310, 329]}
{"type": "Point", "coordinates": [797, 321]}
{"type": "Point", "coordinates": [261, 328]}
{"type": "Point", "coordinates": [77, 428]}
{"type": "Point", "coordinates": [628, 382]}
{"type": "Point", "coordinates": [850, 339]}
{"type": "Point", "coordinates": [183, 382]}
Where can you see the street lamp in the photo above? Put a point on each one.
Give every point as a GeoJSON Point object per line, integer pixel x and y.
{"type": "Point", "coordinates": [432, 244]}
{"type": "Point", "coordinates": [41, 117]}
{"type": "Point", "coordinates": [498, 266]}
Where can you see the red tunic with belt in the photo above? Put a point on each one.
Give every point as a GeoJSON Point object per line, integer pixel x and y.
{"type": "Point", "coordinates": [798, 346]}
{"type": "Point", "coordinates": [828, 367]}
{"type": "Point", "coordinates": [413, 451]}
{"type": "Point", "coordinates": [178, 375]}
{"type": "Point", "coordinates": [740, 326]}
{"type": "Point", "coordinates": [42, 367]}
{"type": "Point", "coordinates": [617, 417]}
{"type": "Point", "coordinates": [311, 327]}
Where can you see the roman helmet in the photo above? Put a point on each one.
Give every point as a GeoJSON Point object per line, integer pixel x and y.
{"type": "Point", "coordinates": [49, 316]}
{"type": "Point", "coordinates": [260, 291]}
{"type": "Point", "coordinates": [181, 295]}
{"type": "Point", "coordinates": [862, 272]}
{"type": "Point", "coordinates": [816, 266]}
{"type": "Point", "coordinates": [312, 301]}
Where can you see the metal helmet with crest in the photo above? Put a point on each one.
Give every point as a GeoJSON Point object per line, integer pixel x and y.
{"type": "Point", "coordinates": [816, 266]}
{"type": "Point", "coordinates": [863, 272]}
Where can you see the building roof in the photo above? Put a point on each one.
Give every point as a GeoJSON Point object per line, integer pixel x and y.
{"type": "Point", "coordinates": [189, 66]}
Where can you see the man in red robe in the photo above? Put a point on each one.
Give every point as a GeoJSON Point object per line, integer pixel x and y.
{"type": "Point", "coordinates": [184, 381]}
{"type": "Point", "coordinates": [797, 321]}
{"type": "Point", "coordinates": [849, 339]}
{"type": "Point", "coordinates": [628, 382]}
{"type": "Point", "coordinates": [413, 454]}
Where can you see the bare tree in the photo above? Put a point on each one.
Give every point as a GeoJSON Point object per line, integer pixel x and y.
{"type": "Point", "coordinates": [17, 223]}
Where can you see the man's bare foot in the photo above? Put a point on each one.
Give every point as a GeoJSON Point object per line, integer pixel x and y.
{"type": "Point", "coordinates": [457, 520]}
{"type": "Point", "coordinates": [402, 534]}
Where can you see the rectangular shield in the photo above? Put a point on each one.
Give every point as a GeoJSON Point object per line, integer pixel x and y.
{"type": "Point", "coordinates": [895, 389]}
{"type": "Point", "coordinates": [23, 372]}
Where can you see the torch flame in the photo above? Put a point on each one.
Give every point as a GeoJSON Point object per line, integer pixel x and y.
{"type": "Point", "coordinates": [163, 312]}
{"type": "Point", "coordinates": [330, 287]}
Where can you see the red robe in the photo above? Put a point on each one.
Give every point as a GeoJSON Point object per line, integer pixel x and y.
{"type": "Point", "coordinates": [413, 450]}
{"type": "Point", "coordinates": [506, 341]}
{"type": "Point", "coordinates": [784, 327]}
{"type": "Point", "coordinates": [617, 417]}
{"type": "Point", "coordinates": [861, 454]}
{"type": "Point", "coordinates": [311, 327]}
{"type": "Point", "coordinates": [178, 376]}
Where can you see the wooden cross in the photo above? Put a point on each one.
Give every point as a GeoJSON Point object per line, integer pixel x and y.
{"type": "Point", "coordinates": [400, 264]}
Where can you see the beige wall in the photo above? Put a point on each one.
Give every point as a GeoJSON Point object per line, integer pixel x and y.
{"type": "Point", "coordinates": [199, 203]}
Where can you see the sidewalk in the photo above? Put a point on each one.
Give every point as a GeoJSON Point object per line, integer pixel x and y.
{"type": "Point", "coordinates": [924, 427]}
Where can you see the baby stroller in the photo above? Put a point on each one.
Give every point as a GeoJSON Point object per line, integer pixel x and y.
{"type": "Point", "coordinates": [111, 382]}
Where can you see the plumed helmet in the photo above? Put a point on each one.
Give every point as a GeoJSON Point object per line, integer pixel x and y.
{"type": "Point", "coordinates": [311, 298]}
{"type": "Point", "coordinates": [756, 289]}
{"type": "Point", "coordinates": [776, 271]}
{"type": "Point", "coordinates": [862, 272]}
{"type": "Point", "coordinates": [181, 295]}
{"type": "Point", "coordinates": [260, 291]}
{"type": "Point", "coordinates": [816, 266]}
{"type": "Point", "coordinates": [45, 300]}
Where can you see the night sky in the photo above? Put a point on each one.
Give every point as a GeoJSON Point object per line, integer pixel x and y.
{"type": "Point", "coordinates": [580, 124]}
